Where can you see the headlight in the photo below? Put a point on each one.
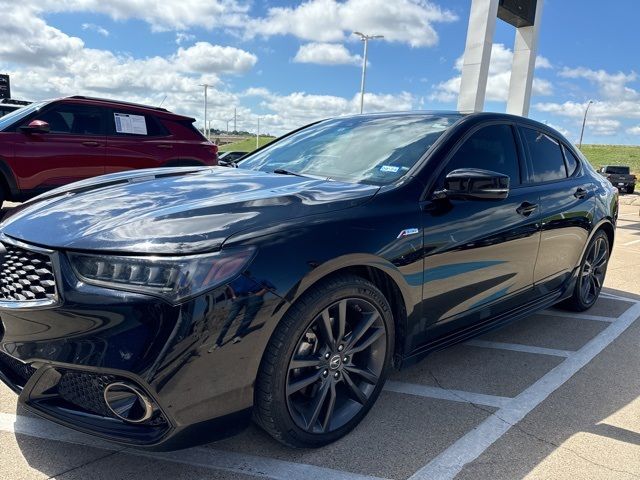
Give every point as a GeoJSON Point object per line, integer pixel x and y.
{"type": "Point", "coordinates": [172, 278]}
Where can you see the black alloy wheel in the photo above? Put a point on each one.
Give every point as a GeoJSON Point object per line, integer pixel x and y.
{"type": "Point", "coordinates": [338, 341]}
{"type": "Point", "coordinates": [592, 273]}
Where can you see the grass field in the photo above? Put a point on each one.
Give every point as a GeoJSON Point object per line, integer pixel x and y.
{"type": "Point", "coordinates": [600, 155]}
{"type": "Point", "coordinates": [247, 145]}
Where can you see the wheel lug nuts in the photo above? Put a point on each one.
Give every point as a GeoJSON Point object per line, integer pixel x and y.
{"type": "Point", "coordinates": [325, 373]}
{"type": "Point", "coordinates": [345, 359]}
{"type": "Point", "coordinates": [336, 375]}
{"type": "Point", "coordinates": [327, 355]}
{"type": "Point", "coordinates": [340, 348]}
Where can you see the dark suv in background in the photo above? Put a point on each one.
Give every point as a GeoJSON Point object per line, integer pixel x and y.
{"type": "Point", "coordinates": [52, 143]}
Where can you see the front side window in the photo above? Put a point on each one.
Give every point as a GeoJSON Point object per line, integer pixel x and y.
{"type": "Point", "coordinates": [74, 119]}
{"type": "Point", "coordinates": [373, 150]}
{"type": "Point", "coordinates": [490, 148]}
{"type": "Point", "coordinates": [546, 156]}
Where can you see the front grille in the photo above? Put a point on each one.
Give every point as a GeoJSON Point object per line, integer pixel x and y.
{"type": "Point", "coordinates": [17, 371]}
{"type": "Point", "coordinates": [26, 275]}
{"type": "Point", "coordinates": [86, 391]}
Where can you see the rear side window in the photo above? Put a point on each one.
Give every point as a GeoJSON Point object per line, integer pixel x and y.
{"type": "Point", "coordinates": [490, 148]}
{"type": "Point", "coordinates": [74, 119]}
{"type": "Point", "coordinates": [618, 170]}
{"type": "Point", "coordinates": [571, 160]}
{"type": "Point", "coordinates": [126, 123]}
{"type": "Point", "coordinates": [546, 156]}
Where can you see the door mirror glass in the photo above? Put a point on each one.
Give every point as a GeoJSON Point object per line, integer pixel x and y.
{"type": "Point", "coordinates": [36, 126]}
{"type": "Point", "coordinates": [475, 184]}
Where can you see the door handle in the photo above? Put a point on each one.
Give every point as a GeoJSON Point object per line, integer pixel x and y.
{"type": "Point", "coordinates": [525, 209]}
{"type": "Point", "coordinates": [91, 144]}
{"type": "Point", "coordinates": [165, 145]}
{"type": "Point", "coordinates": [580, 193]}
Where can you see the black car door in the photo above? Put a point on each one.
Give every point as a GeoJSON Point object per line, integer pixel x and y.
{"type": "Point", "coordinates": [480, 254]}
{"type": "Point", "coordinates": [567, 202]}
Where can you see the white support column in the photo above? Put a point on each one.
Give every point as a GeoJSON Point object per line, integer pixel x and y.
{"type": "Point", "coordinates": [477, 55]}
{"type": "Point", "coordinates": [525, 51]}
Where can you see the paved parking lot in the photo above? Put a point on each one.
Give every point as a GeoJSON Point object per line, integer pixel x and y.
{"type": "Point", "coordinates": [553, 396]}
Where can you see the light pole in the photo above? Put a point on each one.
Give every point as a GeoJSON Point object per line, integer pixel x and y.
{"type": "Point", "coordinates": [206, 86]}
{"type": "Point", "coordinates": [258, 134]}
{"type": "Point", "coordinates": [584, 121]}
{"type": "Point", "coordinates": [365, 39]}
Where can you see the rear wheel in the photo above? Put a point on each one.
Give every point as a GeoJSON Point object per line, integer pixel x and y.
{"type": "Point", "coordinates": [326, 363]}
{"type": "Point", "coordinates": [631, 188]}
{"type": "Point", "coordinates": [591, 275]}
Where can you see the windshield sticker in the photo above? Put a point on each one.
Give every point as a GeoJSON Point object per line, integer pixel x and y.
{"type": "Point", "coordinates": [389, 168]}
{"type": "Point", "coordinates": [134, 124]}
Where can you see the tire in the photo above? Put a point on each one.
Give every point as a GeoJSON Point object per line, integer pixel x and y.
{"type": "Point", "coordinates": [303, 351]}
{"type": "Point", "coordinates": [631, 188]}
{"type": "Point", "coordinates": [590, 279]}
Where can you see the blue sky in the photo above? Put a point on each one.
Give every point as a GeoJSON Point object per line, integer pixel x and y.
{"type": "Point", "coordinates": [291, 63]}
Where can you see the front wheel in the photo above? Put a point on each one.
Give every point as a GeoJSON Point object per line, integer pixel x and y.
{"type": "Point", "coordinates": [326, 363]}
{"type": "Point", "coordinates": [591, 274]}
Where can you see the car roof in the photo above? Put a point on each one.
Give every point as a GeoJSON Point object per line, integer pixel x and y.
{"type": "Point", "coordinates": [111, 103]}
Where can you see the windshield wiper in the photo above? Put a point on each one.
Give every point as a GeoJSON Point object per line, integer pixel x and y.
{"type": "Point", "coordinates": [282, 171]}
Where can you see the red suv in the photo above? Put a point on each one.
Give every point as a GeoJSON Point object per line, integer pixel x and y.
{"type": "Point", "coordinates": [52, 143]}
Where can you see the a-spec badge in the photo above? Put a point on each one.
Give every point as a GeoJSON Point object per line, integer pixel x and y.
{"type": "Point", "coordinates": [408, 231]}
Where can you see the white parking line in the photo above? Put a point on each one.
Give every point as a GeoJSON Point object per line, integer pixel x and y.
{"type": "Point", "coordinates": [447, 394]}
{"type": "Point", "coordinates": [631, 243]}
{"type": "Point", "coordinates": [517, 347]}
{"type": "Point", "coordinates": [577, 316]}
{"type": "Point", "coordinates": [618, 297]}
{"type": "Point", "coordinates": [469, 447]}
{"type": "Point", "coordinates": [197, 457]}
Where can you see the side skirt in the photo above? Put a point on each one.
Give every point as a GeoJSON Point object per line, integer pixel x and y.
{"type": "Point", "coordinates": [523, 311]}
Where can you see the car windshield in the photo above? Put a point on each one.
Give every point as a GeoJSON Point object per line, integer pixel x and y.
{"type": "Point", "coordinates": [11, 118]}
{"type": "Point", "coordinates": [618, 170]}
{"type": "Point", "coordinates": [375, 150]}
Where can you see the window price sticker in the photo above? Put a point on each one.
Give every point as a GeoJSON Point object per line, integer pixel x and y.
{"type": "Point", "coordinates": [133, 124]}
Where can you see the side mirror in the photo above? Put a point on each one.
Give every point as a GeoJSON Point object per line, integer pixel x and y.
{"type": "Point", "coordinates": [475, 184]}
{"type": "Point", "coordinates": [36, 126]}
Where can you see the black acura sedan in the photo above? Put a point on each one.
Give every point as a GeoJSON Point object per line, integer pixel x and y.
{"type": "Point", "coordinates": [165, 308]}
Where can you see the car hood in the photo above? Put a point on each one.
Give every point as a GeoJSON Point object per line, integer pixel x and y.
{"type": "Point", "coordinates": [171, 211]}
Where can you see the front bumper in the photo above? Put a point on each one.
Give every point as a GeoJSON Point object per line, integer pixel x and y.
{"type": "Point", "coordinates": [60, 357]}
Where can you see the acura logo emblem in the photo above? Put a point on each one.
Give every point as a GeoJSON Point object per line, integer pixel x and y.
{"type": "Point", "coordinates": [335, 362]}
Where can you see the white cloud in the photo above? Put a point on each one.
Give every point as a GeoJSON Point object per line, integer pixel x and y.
{"type": "Point", "coordinates": [326, 54]}
{"type": "Point", "coordinates": [182, 37]}
{"type": "Point", "coordinates": [611, 85]}
{"type": "Point", "coordinates": [96, 28]}
{"type": "Point", "coordinates": [299, 108]}
{"type": "Point", "coordinates": [170, 15]}
{"type": "Point", "coordinates": [204, 57]}
{"type": "Point", "coordinates": [26, 39]}
{"type": "Point", "coordinates": [634, 130]}
{"type": "Point", "coordinates": [406, 21]}
{"type": "Point", "coordinates": [603, 126]}
{"type": "Point", "coordinates": [45, 62]}
{"type": "Point", "coordinates": [499, 78]}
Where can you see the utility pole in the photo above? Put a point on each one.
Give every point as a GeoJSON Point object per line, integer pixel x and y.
{"type": "Point", "coordinates": [258, 134]}
{"type": "Point", "coordinates": [235, 119]}
{"type": "Point", "coordinates": [584, 121]}
{"type": "Point", "coordinates": [206, 86]}
{"type": "Point", "coordinates": [365, 39]}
